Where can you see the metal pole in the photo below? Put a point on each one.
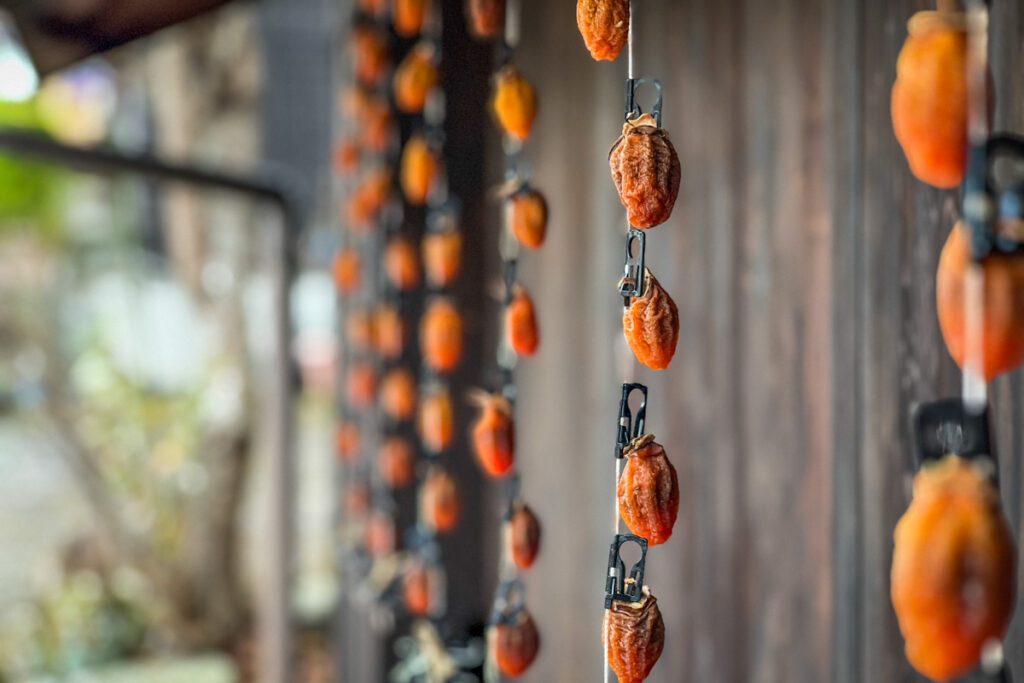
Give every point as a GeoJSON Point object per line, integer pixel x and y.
{"type": "Point", "coordinates": [274, 614]}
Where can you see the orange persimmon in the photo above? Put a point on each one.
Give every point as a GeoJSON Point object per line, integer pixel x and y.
{"type": "Point", "coordinates": [514, 103]}
{"type": "Point", "coordinates": [402, 264]}
{"type": "Point", "coordinates": [522, 536]}
{"type": "Point", "coordinates": [439, 501]}
{"type": "Point", "coordinates": [409, 16]}
{"type": "Point", "coordinates": [370, 54]}
{"type": "Point", "coordinates": [361, 385]}
{"type": "Point", "coordinates": [359, 331]}
{"type": "Point", "coordinates": [521, 323]}
{"type": "Point", "coordinates": [398, 394]}
{"type": "Point", "coordinates": [526, 212]}
{"type": "Point", "coordinates": [415, 77]}
{"type": "Point", "coordinates": [346, 156]}
{"type": "Point", "coordinates": [347, 270]}
{"type": "Point", "coordinates": [442, 257]}
{"type": "Point", "coordinates": [390, 332]}
{"type": "Point", "coordinates": [396, 462]}
{"type": "Point", "coordinates": [515, 644]}
{"type": "Point", "coordinates": [1002, 328]}
{"type": "Point", "coordinates": [953, 569]}
{"type": "Point", "coordinates": [420, 167]}
{"type": "Point", "coordinates": [379, 535]}
{"type": "Point", "coordinates": [494, 435]}
{"type": "Point", "coordinates": [437, 420]}
{"type": "Point", "coordinates": [441, 336]}
{"type": "Point", "coordinates": [416, 588]}
{"type": "Point", "coordinates": [377, 125]}
{"type": "Point", "coordinates": [347, 440]}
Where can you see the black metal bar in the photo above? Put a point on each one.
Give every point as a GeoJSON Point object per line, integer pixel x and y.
{"type": "Point", "coordinates": [275, 187]}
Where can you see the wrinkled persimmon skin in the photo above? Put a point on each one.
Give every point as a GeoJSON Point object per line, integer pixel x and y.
{"type": "Point", "coordinates": [402, 264]}
{"type": "Point", "coordinates": [361, 385]}
{"type": "Point", "coordinates": [651, 325]}
{"type": "Point", "coordinates": [646, 172]}
{"type": "Point", "coordinates": [442, 257]}
{"type": "Point", "coordinates": [929, 101]}
{"type": "Point", "coordinates": [953, 569]}
{"type": "Point", "coordinates": [494, 437]}
{"type": "Point", "coordinates": [437, 421]}
{"type": "Point", "coordinates": [440, 501]}
{"type": "Point", "coordinates": [348, 441]}
{"type": "Point", "coordinates": [409, 16]}
{"type": "Point", "coordinates": [516, 645]}
{"type": "Point", "coordinates": [521, 324]}
{"type": "Point", "coordinates": [347, 271]}
{"type": "Point", "coordinates": [522, 536]}
{"type": "Point", "coordinates": [396, 462]}
{"type": "Point", "coordinates": [1002, 340]}
{"type": "Point", "coordinates": [398, 394]}
{"type": "Point", "coordinates": [634, 637]}
{"type": "Point", "coordinates": [514, 103]}
{"type": "Point", "coordinates": [419, 171]}
{"type": "Point", "coordinates": [416, 589]}
{"type": "Point", "coordinates": [648, 493]}
{"type": "Point", "coordinates": [415, 77]}
{"type": "Point", "coordinates": [604, 25]}
{"type": "Point", "coordinates": [389, 332]}
{"type": "Point", "coordinates": [486, 18]}
{"type": "Point", "coordinates": [441, 336]}
{"type": "Point", "coordinates": [527, 216]}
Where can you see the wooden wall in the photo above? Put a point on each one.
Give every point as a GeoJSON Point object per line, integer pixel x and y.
{"type": "Point", "coordinates": [802, 256]}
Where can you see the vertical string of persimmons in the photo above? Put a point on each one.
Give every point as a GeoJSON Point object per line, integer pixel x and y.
{"type": "Point", "coordinates": [953, 577]}
{"type": "Point", "coordinates": [646, 173]}
{"type": "Point", "coordinates": [513, 640]}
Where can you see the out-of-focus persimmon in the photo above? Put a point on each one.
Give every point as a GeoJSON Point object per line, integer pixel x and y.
{"type": "Point", "coordinates": [953, 569]}
{"type": "Point", "coordinates": [377, 125]}
{"type": "Point", "coordinates": [1002, 321]}
{"type": "Point", "coordinates": [348, 440]}
{"type": "Point", "coordinates": [494, 435]}
{"type": "Point", "coordinates": [402, 264]}
{"type": "Point", "coordinates": [374, 8]}
{"type": "Point", "coordinates": [439, 501]}
{"type": "Point", "coordinates": [442, 257]}
{"type": "Point", "coordinates": [521, 323]}
{"type": "Point", "coordinates": [514, 103]}
{"type": "Point", "coordinates": [390, 332]}
{"type": "Point", "coordinates": [416, 588]}
{"type": "Point", "coordinates": [347, 271]}
{"type": "Point", "coordinates": [437, 420]}
{"type": "Point", "coordinates": [522, 536]}
{"type": "Point", "coordinates": [486, 18]}
{"type": "Point", "coordinates": [361, 385]}
{"type": "Point", "coordinates": [359, 330]}
{"type": "Point", "coordinates": [370, 54]}
{"type": "Point", "coordinates": [419, 170]}
{"type": "Point", "coordinates": [441, 336]}
{"type": "Point", "coordinates": [346, 156]}
{"type": "Point", "coordinates": [415, 77]}
{"type": "Point", "coordinates": [409, 16]}
{"type": "Point", "coordinates": [357, 499]}
{"type": "Point", "coordinates": [368, 199]}
{"type": "Point", "coordinates": [379, 535]}
{"type": "Point", "coordinates": [929, 98]}
{"type": "Point", "coordinates": [398, 394]}
{"type": "Point", "coordinates": [526, 213]}
{"type": "Point", "coordinates": [396, 462]}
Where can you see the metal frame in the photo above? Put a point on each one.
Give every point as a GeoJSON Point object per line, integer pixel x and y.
{"type": "Point", "coordinates": [274, 615]}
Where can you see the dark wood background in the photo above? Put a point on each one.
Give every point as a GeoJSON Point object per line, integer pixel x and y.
{"type": "Point", "coordinates": [802, 256]}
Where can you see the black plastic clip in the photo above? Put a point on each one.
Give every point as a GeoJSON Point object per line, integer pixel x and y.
{"type": "Point", "coordinates": [633, 279]}
{"type": "Point", "coordinates": [947, 427]}
{"type": "Point", "coordinates": [620, 586]}
{"type": "Point", "coordinates": [509, 602]}
{"type": "Point", "coordinates": [985, 199]}
{"type": "Point", "coordinates": [630, 426]}
{"type": "Point", "coordinates": [633, 108]}
{"type": "Point", "coordinates": [512, 486]}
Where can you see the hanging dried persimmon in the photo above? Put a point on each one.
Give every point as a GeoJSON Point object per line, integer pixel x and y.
{"type": "Point", "coordinates": [409, 16]}
{"type": "Point", "coordinates": [377, 125]}
{"type": "Point", "coordinates": [521, 323]}
{"type": "Point", "coordinates": [442, 257]}
{"type": "Point", "coordinates": [634, 637]}
{"type": "Point", "coordinates": [604, 25]}
{"type": "Point", "coordinates": [514, 103]}
{"type": "Point", "coordinates": [522, 536]}
{"type": "Point", "coordinates": [415, 77]}
{"type": "Point", "coordinates": [486, 18]}
{"type": "Point", "coordinates": [346, 156]}
{"type": "Point", "coordinates": [526, 212]}
{"type": "Point", "coordinates": [368, 199]}
{"type": "Point", "coordinates": [347, 271]}
{"type": "Point", "coordinates": [1002, 314]}
{"type": "Point", "coordinates": [390, 332]}
{"type": "Point", "coordinates": [398, 394]}
{"type": "Point", "coordinates": [651, 325]}
{"type": "Point", "coordinates": [359, 331]}
{"type": "Point", "coordinates": [516, 644]}
{"type": "Point", "coordinates": [441, 336]}
{"type": "Point", "coordinates": [440, 504]}
{"type": "Point", "coordinates": [494, 435]}
{"type": "Point", "coordinates": [361, 385]}
{"type": "Point", "coordinates": [648, 491]}
{"type": "Point", "coordinates": [953, 569]}
{"type": "Point", "coordinates": [420, 168]}
{"type": "Point", "coordinates": [646, 172]}
{"type": "Point", "coordinates": [402, 264]}
{"type": "Point", "coordinates": [396, 462]}
{"type": "Point", "coordinates": [416, 590]}
{"type": "Point", "coordinates": [930, 96]}
{"type": "Point", "coordinates": [379, 535]}
{"type": "Point", "coordinates": [370, 54]}
{"type": "Point", "coordinates": [437, 420]}
{"type": "Point", "coordinates": [347, 440]}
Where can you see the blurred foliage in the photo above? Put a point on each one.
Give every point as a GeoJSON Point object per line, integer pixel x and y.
{"type": "Point", "coordinates": [30, 193]}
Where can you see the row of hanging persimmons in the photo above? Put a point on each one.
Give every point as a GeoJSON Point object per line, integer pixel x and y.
{"type": "Point", "coordinates": [383, 331]}
{"type": "Point", "coordinates": [953, 568]}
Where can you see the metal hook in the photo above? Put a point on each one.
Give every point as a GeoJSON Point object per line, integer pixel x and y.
{"type": "Point", "coordinates": [633, 108]}
{"type": "Point", "coordinates": [630, 426]}
{"type": "Point", "coordinates": [620, 586]}
{"type": "Point", "coordinates": [633, 282]}
{"type": "Point", "coordinates": [947, 427]}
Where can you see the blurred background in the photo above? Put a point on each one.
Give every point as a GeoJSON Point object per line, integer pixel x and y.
{"type": "Point", "coordinates": [163, 520]}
